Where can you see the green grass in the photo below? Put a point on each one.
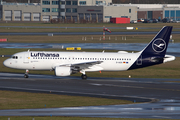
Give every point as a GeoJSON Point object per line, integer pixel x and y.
{"type": "Point", "coordinates": [26, 100]}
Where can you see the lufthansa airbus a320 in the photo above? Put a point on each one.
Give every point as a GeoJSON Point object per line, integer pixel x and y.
{"type": "Point", "coordinates": [67, 63]}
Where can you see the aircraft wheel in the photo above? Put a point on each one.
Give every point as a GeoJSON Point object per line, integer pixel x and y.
{"type": "Point", "coordinates": [26, 76]}
{"type": "Point", "coordinates": [84, 77]}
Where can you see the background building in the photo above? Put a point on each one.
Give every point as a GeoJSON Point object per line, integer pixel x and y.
{"type": "Point", "coordinates": [66, 10]}
{"type": "Point", "coordinates": [158, 11]}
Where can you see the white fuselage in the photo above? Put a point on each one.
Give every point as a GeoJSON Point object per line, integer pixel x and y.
{"type": "Point", "coordinates": [38, 60]}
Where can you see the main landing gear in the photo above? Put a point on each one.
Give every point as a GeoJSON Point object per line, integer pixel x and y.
{"type": "Point", "coordinates": [26, 74]}
{"type": "Point", "coordinates": [84, 76]}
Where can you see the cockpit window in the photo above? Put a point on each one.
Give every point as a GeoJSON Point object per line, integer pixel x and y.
{"type": "Point", "coordinates": [14, 57]}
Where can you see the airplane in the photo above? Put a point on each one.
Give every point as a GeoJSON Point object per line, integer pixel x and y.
{"type": "Point", "coordinates": [67, 63]}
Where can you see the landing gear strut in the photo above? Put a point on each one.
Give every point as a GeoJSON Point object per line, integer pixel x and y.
{"type": "Point", "coordinates": [26, 74]}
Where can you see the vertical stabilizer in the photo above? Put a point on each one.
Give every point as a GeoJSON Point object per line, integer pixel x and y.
{"type": "Point", "coordinates": [159, 43]}
{"type": "Point", "coordinates": [154, 52]}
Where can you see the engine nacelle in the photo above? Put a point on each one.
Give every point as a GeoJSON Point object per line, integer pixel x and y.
{"type": "Point", "coordinates": [63, 71]}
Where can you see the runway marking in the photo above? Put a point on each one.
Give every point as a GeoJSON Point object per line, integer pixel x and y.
{"type": "Point", "coordinates": [96, 84]}
{"type": "Point", "coordinates": [138, 87]}
{"type": "Point", "coordinates": [114, 85]}
{"type": "Point", "coordinates": [162, 117]}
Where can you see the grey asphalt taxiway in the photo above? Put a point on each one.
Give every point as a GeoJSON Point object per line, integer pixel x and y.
{"type": "Point", "coordinates": [161, 96]}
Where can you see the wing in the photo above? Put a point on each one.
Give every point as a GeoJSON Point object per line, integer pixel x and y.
{"type": "Point", "coordinates": [84, 65]}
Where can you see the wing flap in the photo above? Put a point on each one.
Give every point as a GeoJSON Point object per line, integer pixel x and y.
{"type": "Point", "coordinates": [83, 65]}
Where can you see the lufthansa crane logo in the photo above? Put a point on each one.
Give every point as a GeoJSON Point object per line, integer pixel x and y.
{"type": "Point", "coordinates": [159, 45]}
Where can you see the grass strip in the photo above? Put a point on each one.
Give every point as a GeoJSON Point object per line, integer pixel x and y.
{"type": "Point", "coordinates": [27, 100]}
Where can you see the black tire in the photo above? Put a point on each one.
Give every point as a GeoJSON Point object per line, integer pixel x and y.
{"type": "Point", "coordinates": [84, 77]}
{"type": "Point", "coordinates": [26, 76]}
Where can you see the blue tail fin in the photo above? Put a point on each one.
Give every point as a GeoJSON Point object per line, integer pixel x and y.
{"type": "Point", "coordinates": [159, 44]}
{"type": "Point", "coordinates": [155, 51]}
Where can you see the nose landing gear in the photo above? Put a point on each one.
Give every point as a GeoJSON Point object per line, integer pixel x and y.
{"type": "Point", "coordinates": [26, 74]}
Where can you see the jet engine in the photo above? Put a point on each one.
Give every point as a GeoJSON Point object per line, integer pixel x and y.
{"type": "Point", "coordinates": [63, 71]}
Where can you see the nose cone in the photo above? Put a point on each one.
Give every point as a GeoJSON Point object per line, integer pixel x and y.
{"type": "Point", "coordinates": [7, 63]}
